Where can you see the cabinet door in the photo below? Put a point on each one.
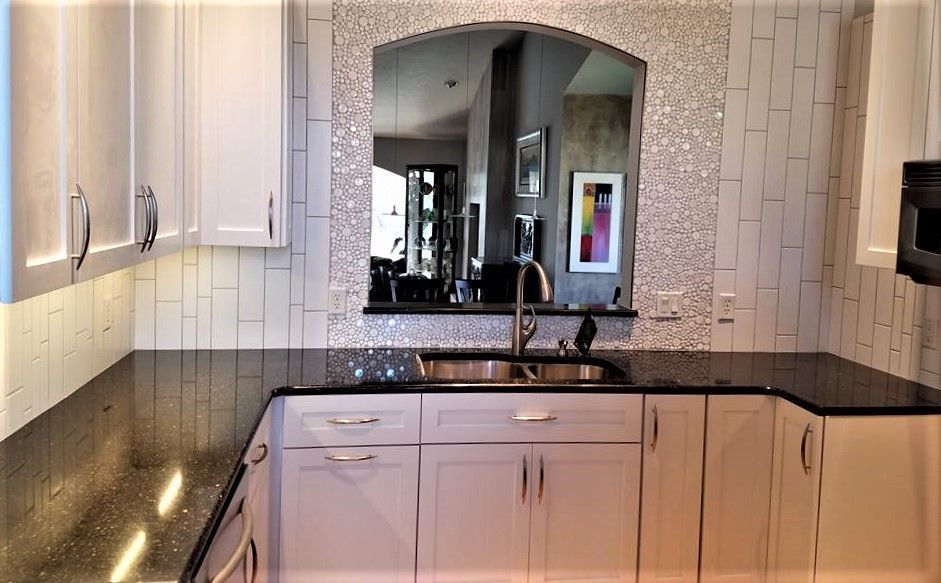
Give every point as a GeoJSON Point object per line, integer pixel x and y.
{"type": "Point", "coordinates": [37, 205]}
{"type": "Point", "coordinates": [795, 491]}
{"type": "Point", "coordinates": [736, 488]}
{"type": "Point", "coordinates": [672, 502]}
{"type": "Point", "coordinates": [158, 117]}
{"type": "Point", "coordinates": [880, 500]}
{"type": "Point", "coordinates": [349, 517]}
{"type": "Point", "coordinates": [241, 88]}
{"type": "Point", "coordinates": [102, 61]}
{"type": "Point", "coordinates": [586, 501]}
{"type": "Point", "coordinates": [473, 512]}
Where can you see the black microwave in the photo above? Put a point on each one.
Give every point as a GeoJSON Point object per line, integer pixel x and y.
{"type": "Point", "coordinates": [919, 248]}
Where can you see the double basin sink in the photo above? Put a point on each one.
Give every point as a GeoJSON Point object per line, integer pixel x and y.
{"type": "Point", "coordinates": [502, 367]}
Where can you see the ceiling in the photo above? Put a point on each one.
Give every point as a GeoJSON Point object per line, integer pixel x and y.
{"type": "Point", "coordinates": [427, 108]}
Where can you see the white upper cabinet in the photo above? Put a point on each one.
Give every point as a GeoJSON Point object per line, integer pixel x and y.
{"type": "Point", "coordinates": [795, 492]}
{"type": "Point", "coordinates": [895, 101]}
{"type": "Point", "coordinates": [243, 124]}
{"type": "Point", "coordinates": [34, 197]}
{"type": "Point", "coordinates": [101, 61]}
{"type": "Point", "coordinates": [672, 486]}
{"type": "Point", "coordinates": [158, 124]}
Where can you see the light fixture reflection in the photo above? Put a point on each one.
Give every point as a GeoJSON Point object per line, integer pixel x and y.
{"type": "Point", "coordinates": [130, 556]}
{"type": "Point", "coordinates": [170, 494]}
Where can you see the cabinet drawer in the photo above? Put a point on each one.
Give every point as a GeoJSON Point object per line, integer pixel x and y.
{"type": "Point", "coordinates": [523, 417]}
{"type": "Point", "coordinates": [319, 420]}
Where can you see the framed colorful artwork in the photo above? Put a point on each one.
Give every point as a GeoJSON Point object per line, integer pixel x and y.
{"type": "Point", "coordinates": [530, 164]}
{"type": "Point", "coordinates": [595, 234]}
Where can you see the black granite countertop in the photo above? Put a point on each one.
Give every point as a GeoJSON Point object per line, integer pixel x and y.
{"type": "Point", "coordinates": [83, 482]}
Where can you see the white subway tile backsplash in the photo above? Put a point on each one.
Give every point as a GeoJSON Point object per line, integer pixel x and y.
{"type": "Point", "coordinates": [299, 124]}
{"type": "Point", "coordinates": [299, 176]}
{"type": "Point", "coordinates": [807, 25]}
{"type": "Point", "coordinates": [225, 267]}
{"type": "Point", "coordinates": [789, 291]}
{"type": "Point", "coordinates": [787, 9]}
{"type": "Point", "coordinates": [204, 323]}
{"type": "Point", "coordinates": [251, 335]}
{"type": "Point", "coordinates": [296, 331]}
{"type": "Point", "coordinates": [740, 35]}
{"type": "Point", "coordinates": [317, 264]}
{"type": "Point", "coordinates": [743, 335]}
{"type": "Point", "coordinates": [169, 328]}
{"type": "Point", "coordinates": [319, 69]}
{"type": "Point", "coordinates": [795, 193]}
{"type": "Point", "coordinates": [776, 156]}
{"type": "Point", "coordinates": [315, 329]}
{"type": "Point", "coordinates": [818, 177]}
{"type": "Point", "coordinates": [225, 318]}
{"type": "Point", "coordinates": [753, 175]}
{"type": "Point", "coordinates": [782, 68]}
{"type": "Point", "coordinates": [769, 257]}
{"type": "Point", "coordinates": [763, 19]}
{"type": "Point", "coordinates": [815, 226]}
{"type": "Point", "coordinates": [279, 257]}
{"type": "Point", "coordinates": [867, 305]}
{"type": "Point", "coordinates": [727, 224]}
{"type": "Point", "coordinates": [299, 34]}
{"type": "Point", "coordinates": [297, 280]}
{"type": "Point", "coordinates": [169, 274]}
{"type": "Point", "coordinates": [885, 297]}
{"type": "Point", "coordinates": [320, 9]}
{"type": "Point", "coordinates": [251, 288]}
{"type": "Point", "coordinates": [204, 272]}
{"type": "Point", "coordinates": [802, 109]}
{"type": "Point", "coordinates": [299, 73]}
{"type": "Point", "coordinates": [145, 321]}
{"type": "Point", "coordinates": [828, 52]}
{"type": "Point", "coordinates": [746, 268]}
{"type": "Point", "coordinates": [766, 317]}
{"type": "Point", "coordinates": [733, 141]}
{"type": "Point", "coordinates": [759, 85]}
{"type": "Point", "coordinates": [808, 324]}
{"type": "Point", "coordinates": [277, 307]}
{"type": "Point", "coordinates": [318, 169]}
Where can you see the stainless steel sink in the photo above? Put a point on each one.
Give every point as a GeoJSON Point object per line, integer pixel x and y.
{"type": "Point", "coordinates": [496, 367]}
{"type": "Point", "coordinates": [453, 369]}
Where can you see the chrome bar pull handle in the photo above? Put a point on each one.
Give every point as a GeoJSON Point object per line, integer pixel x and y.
{"type": "Point", "coordinates": [351, 458]}
{"type": "Point", "coordinates": [542, 478]}
{"type": "Point", "coordinates": [262, 448]}
{"type": "Point", "coordinates": [352, 420]}
{"type": "Point", "coordinates": [271, 214]}
{"type": "Point", "coordinates": [533, 418]}
{"type": "Point", "coordinates": [656, 429]}
{"type": "Point", "coordinates": [148, 219]}
{"type": "Point", "coordinates": [807, 431]}
{"type": "Point", "coordinates": [86, 227]}
{"type": "Point", "coordinates": [244, 544]}
{"type": "Point", "coordinates": [525, 479]}
{"type": "Point", "coordinates": [156, 207]}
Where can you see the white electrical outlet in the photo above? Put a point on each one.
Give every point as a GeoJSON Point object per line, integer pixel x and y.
{"type": "Point", "coordinates": [669, 305]}
{"type": "Point", "coordinates": [725, 308]}
{"type": "Point", "coordinates": [929, 337]}
{"type": "Point", "coordinates": [336, 301]}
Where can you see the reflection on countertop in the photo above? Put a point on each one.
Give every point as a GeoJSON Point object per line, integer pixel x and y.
{"type": "Point", "coordinates": [121, 479]}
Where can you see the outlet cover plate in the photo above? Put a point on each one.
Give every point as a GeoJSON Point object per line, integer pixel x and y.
{"type": "Point", "coordinates": [336, 301]}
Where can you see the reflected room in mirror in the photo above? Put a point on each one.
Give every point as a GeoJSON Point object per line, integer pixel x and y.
{"type": "Point", "coordinates": [494, 146]}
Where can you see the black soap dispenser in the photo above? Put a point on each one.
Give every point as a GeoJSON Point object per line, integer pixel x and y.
{"type": "Point", "coordinates": [586, 334]}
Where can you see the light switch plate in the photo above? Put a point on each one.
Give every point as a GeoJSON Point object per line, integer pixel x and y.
{"type": "Point", "coordinates": [669, 305]}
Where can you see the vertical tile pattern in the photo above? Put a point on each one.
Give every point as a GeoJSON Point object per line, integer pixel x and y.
{"type": "Point", "coordinates": [52, 344]}
{"type": "Point", "coordinates": [874, 316]}
{"type": "Point", "coordinates": [228, 297]}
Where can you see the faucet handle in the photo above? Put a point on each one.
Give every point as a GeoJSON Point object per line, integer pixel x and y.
{"type": "Point", "coordinates": [563, 348]}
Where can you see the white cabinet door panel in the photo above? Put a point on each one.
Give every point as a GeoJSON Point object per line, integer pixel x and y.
{"type": "Point", "coordinates": [795, 493]}
{"type": "Point", "coordinates": [349, 521]}
{"type": "Point", "coordinates": [586, 500]}
{"type": "Point", "coordinates": [474, 510]}
{"type": "Point", "coordinates": [672, 486]}
{"type": "Point", "coordinates": [736, 488]}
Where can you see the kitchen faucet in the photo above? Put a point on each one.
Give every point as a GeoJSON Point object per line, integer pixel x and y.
{"type": "Point", "coordinates": [523, 332]}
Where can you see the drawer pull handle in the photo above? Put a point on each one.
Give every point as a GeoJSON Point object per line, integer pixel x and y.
{"type": "Point", "coordinates": [807, 431]}
{"type": "Point", "coordinates": [533, 418]}
{"type": "Point", "coordinates": [353, 421]}
{"type": "Point", "coordinates": [244, 544]}
{"type": "Point", "coordinates": [351, 458]}
{"type": "Point", "coordinates": [262, 449]}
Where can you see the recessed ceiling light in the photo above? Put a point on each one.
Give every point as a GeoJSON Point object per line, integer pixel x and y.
{"type": "Point", "coordinates": [451, 83]}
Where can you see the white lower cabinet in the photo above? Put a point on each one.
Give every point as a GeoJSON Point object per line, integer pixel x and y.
{"type": "Point", "coordinates": [585, 505]}
{"type": "Point", "coordinates": [348, 514]}
{"type": "Point", "coordinates": [672, 488]}
{"type": "Point", "coordinates": [795, 491]}
{"type": "Point", "coordinates": [736, 488]}
{"type": "Point", "coordinates": [474, 512]}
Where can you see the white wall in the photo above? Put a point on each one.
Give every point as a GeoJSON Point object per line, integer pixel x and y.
{"type": "Point", "coordinates": [53, 344]}
{"type": "Point", "coordinates": [226, 297]}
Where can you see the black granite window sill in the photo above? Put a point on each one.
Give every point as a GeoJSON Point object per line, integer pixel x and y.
{"type": "Point", "coordinates": [598, 310]}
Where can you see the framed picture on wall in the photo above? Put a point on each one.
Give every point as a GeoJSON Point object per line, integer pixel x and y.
{"type": "Point", "coordinates": [530, 164]}
{"type": "Point", "coordinates": [595, 234]}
